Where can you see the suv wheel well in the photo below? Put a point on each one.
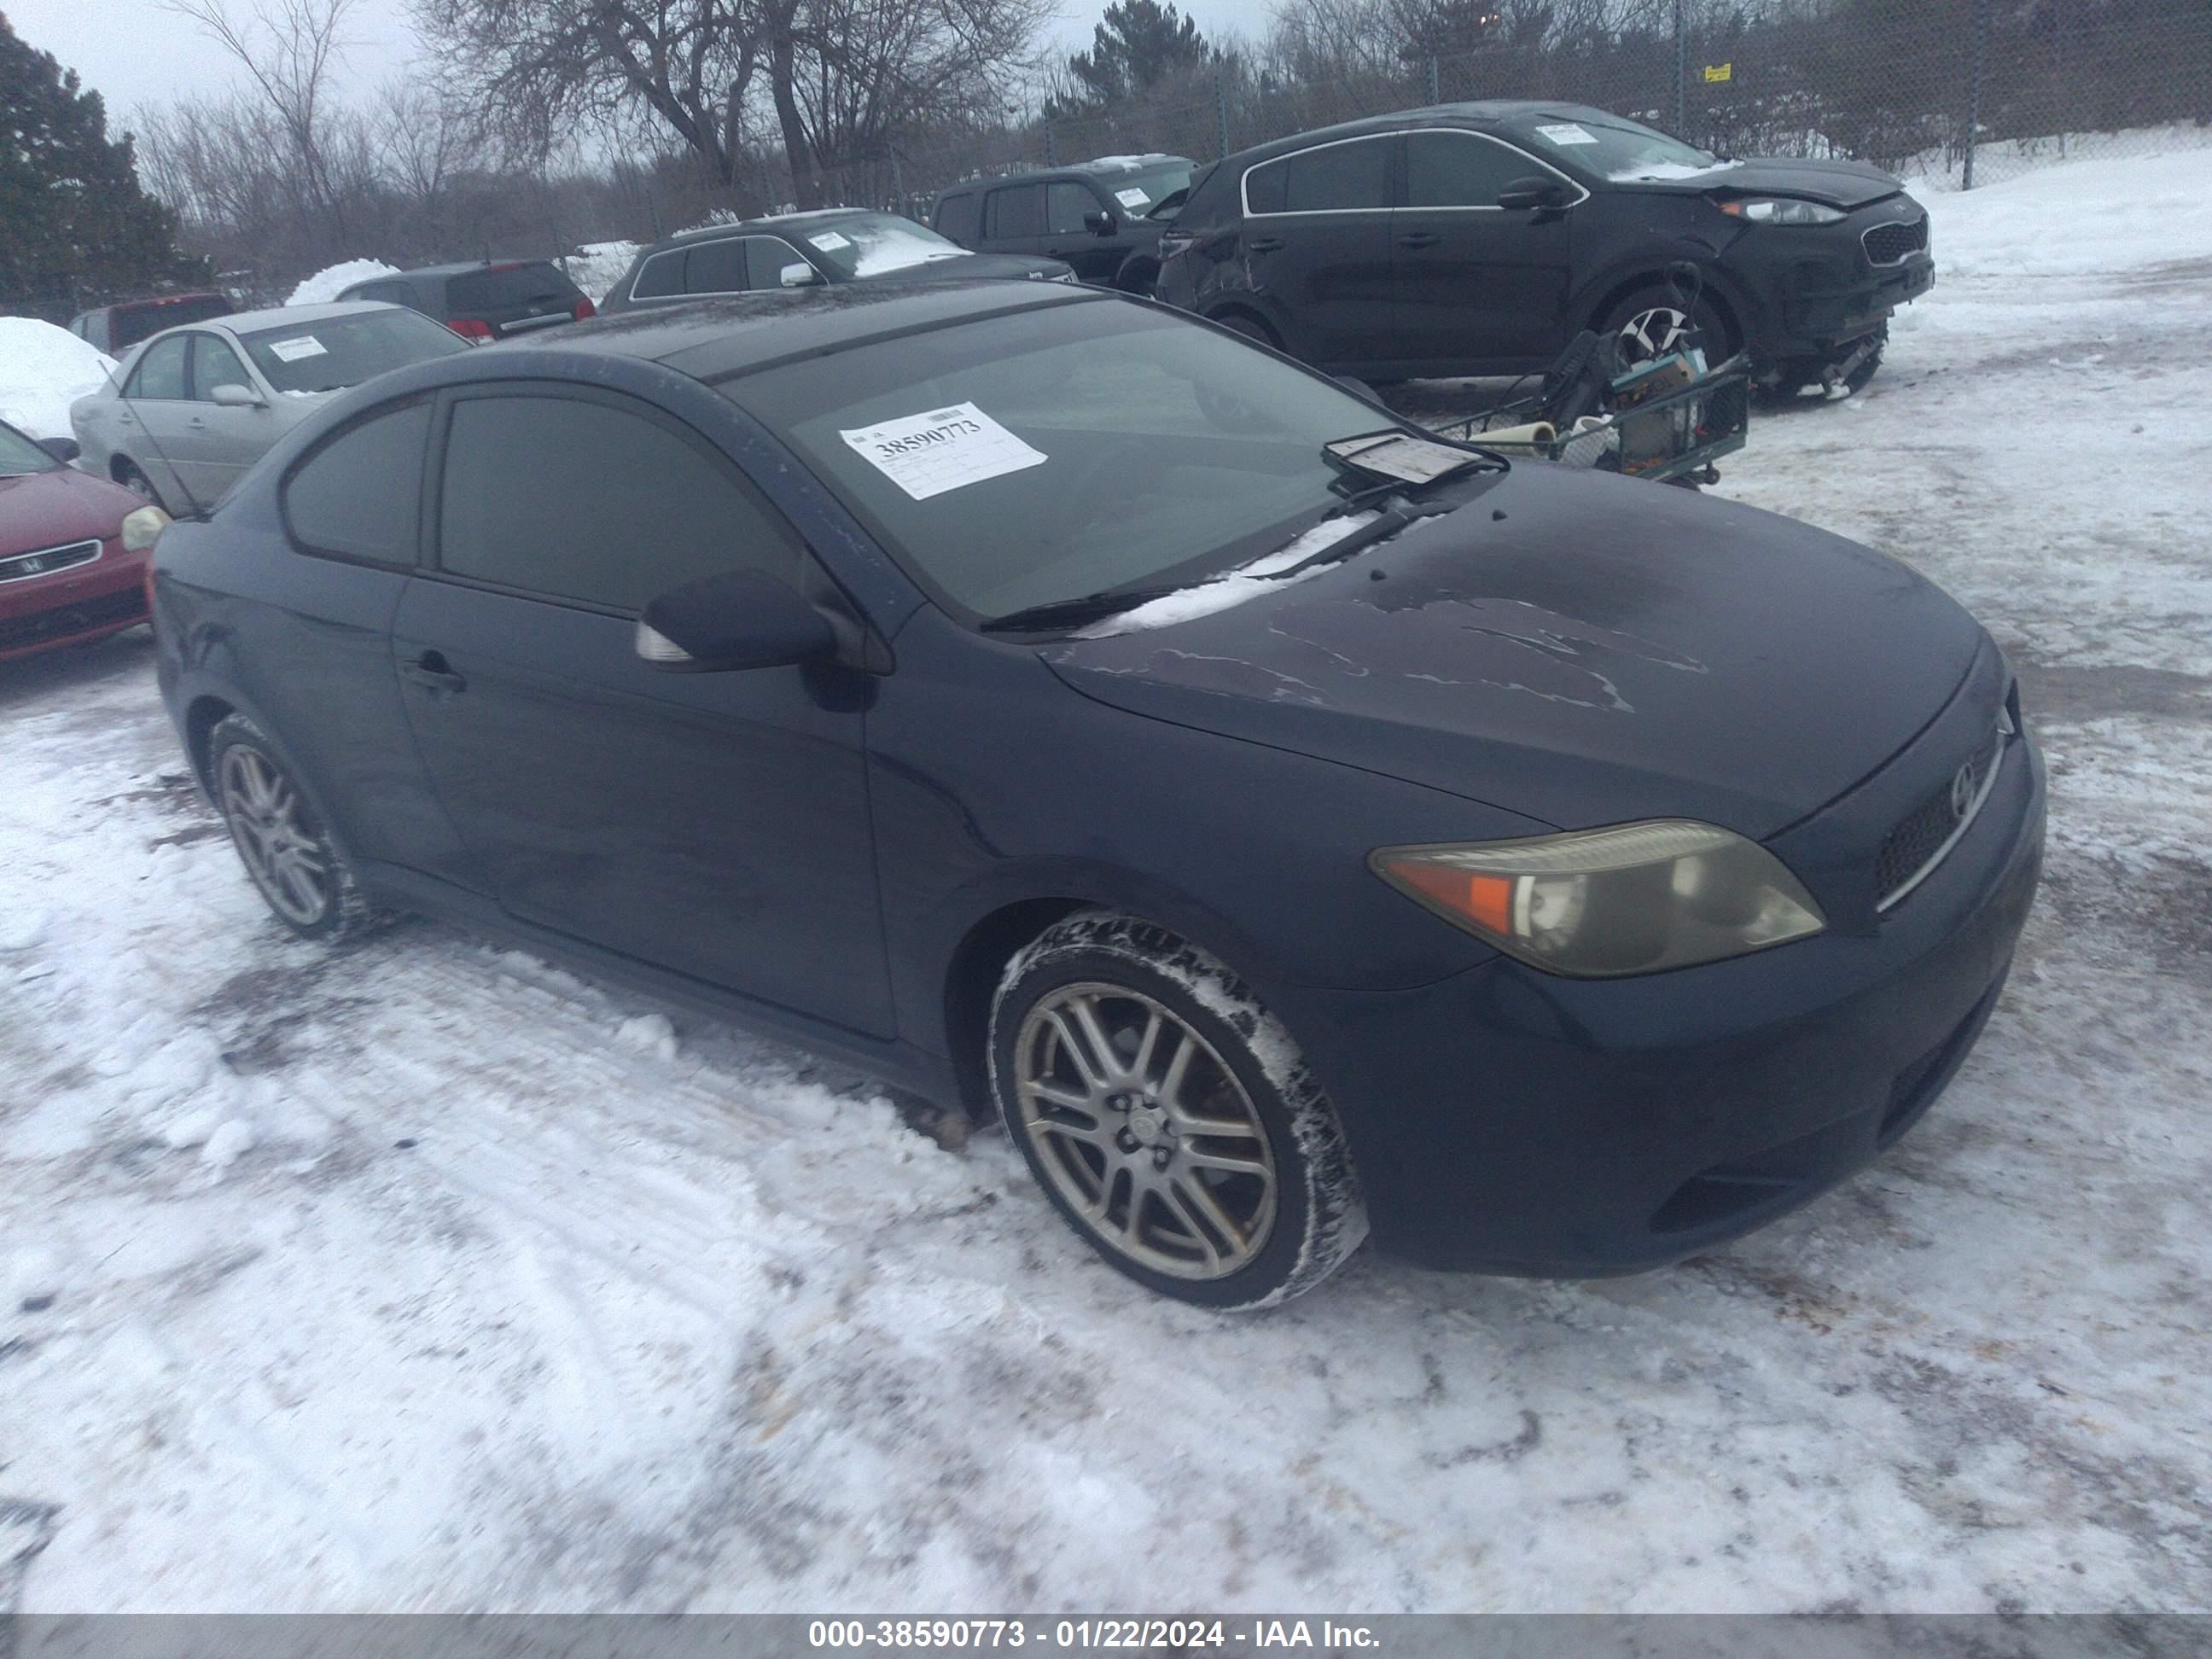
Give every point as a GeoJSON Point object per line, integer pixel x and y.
{"type": "Point", "coordinates": [972, 979]}
{"type": "Point", "coordinates": [1223, 313]}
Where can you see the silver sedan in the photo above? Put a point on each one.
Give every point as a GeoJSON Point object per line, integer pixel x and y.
{"type": "Point", "coordinates": [191, 408]}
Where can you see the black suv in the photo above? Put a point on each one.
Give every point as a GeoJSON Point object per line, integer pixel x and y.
{"type": "Point", "coordinates": [1092, 215]}
{"type": "Point", "coordinates": [1479, 239]}
{"type": "Point", "coordinates": [826, 246]}
{"type": "Point", "coordinates": [482, 301]}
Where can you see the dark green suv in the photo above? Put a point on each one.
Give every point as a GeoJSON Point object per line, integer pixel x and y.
{"type": "Point", "coordinates": [1094, 215]}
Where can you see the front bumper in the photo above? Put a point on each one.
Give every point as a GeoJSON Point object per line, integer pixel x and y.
{"type": "Point", "coordinates": [86, 603]}
{"type": "Point", "coordinates": [1817, 288]}
{"type": "Point", "coordinates": [1513, 1121]}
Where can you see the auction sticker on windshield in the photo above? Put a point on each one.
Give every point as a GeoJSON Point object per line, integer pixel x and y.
{"type": "Point", "coordinates": [1131, 198]}
{"type": "Point", "coordinates": [1566, 132]}
{"type": "Point", "coordinates": [830, 241]}
{"type": "Point", "coordinates": [305, 345]}
{"type": "Point", "coordinates": [947, 448]}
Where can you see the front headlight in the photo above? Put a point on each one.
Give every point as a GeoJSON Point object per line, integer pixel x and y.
{"type": "Point", "coordinates": [143, 527]}
{"type": "Point", "coordinates": [1595, 903]}
{"type": "Point", "coordinates": [1780, 210]}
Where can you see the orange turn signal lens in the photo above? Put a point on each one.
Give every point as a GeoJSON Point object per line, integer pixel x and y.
{"type": "Point", "coordinates": [1486, 901]}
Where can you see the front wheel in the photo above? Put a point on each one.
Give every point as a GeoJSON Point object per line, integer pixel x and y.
{"type": "Point", "coordinates": [1651, 323]}
{"type": "Point", "coordinates": [1168, 1116]}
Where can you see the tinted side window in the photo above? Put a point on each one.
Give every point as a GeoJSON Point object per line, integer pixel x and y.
{"type": "Point", "coordinates": [1065, 206]}
{"type": "Point", "coordinates": [765, 259]}
{"type": "Point", "coordinates": [1015, 212]}
{"type": "Point", "coordinates": [357, 494]}
{"type": "Point", "coordinates": [1338, 176]}
{"type": "Point", "coordinates": [160, 372]}
{"type": "Point", "coordinates": [662, 275]}
{"type": "Point", "coordinates": [956, 216]}
{"type": "Point", "coordinates": [1457, 169]}
{"type": "Point", "coordinates": [1263, 188]}
{"type": "Point", "coordinates": [619, 507]}
{"type": "Point", "coordinates": [716, 267]}
{"type": "Point", "coordinates": [214, 364]}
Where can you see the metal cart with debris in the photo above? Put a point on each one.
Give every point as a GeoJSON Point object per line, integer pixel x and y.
{"type": "Point", "coordinates": [1673, 436]}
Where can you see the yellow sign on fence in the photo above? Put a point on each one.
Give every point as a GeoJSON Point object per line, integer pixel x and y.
{"type": "Point", "coordinates": [1720, 72]}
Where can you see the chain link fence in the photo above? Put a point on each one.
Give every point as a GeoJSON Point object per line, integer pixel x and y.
{"type": "Point", "coordinates": [1956, 92]}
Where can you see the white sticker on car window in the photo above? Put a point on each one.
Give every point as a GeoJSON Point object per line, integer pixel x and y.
{"type": "Point", "coordinates": [1566, 132]}
{"type": "Point", "coordinates": [830, 241]}
{"type": "Point", "coordinates": [305, 345]}
{"type": "Point", "coordinates": [1131, 198]}
{"type": "Point", "coordinates": [947, 448]}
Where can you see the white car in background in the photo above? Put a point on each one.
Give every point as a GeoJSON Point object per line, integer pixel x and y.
{"type": "Point", "coordinates": [191, 408]}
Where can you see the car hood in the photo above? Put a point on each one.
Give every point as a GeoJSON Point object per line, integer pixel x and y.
{"type": "Point", "coordinates": [971, 265]}
{"type": "Point", "coordinates": [1839, 183]}
{"type": "Point", "coordinates": [1608, 649]}
{"type": "Point", "coordinates": [42, 509]}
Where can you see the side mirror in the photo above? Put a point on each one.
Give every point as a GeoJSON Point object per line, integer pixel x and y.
{"type": "Point", "coordinates": [62, 449]}
{"type": "Point", "coordinates": [800, 275]}
{"type": "Point", "coordinates": [1533, 192]}
{"type": "Point", "coordinates": [1098, 224]}
{"type": "Point", "coordinates": [232, 396]}
{"type": "Point", "coordinates": [737, 619]}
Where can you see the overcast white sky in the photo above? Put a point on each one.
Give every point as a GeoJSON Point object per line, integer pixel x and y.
{"type": "Point", "coordinates": [133, 52]}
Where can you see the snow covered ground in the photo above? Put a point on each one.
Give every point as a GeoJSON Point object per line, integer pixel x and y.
{"type": "Point", "coordinates": [421, 1275]}
{"type": "Point", "coordinates": [43, 370]}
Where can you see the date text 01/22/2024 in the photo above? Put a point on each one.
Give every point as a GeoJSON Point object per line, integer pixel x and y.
{"type": "Point", "coordinates": [1089, 1634]}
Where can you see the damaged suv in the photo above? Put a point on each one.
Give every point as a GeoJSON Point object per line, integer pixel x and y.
{"type": "Point", "coordinates": [1480, 238]}
{"type": "Point", "coordinates": [1285, 823]}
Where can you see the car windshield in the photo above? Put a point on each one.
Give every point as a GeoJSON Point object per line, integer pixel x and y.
{"type": "Point", "coordinates": [869, 244]}
{"type": "Point", "coordinates": [136, 322]}
{"type": "Point", "coordinates": [18, 455]}
{"type": "Point", "coordinates": [1026, 459]}
{"type": "Point", "coordinates": [1139, 192]}
{"type": "Point", "coordinates": [1616, 147]}
{"type": "Point", "coordinates": [331, 352]}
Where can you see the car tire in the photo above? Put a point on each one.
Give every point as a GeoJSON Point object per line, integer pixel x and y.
{"type": "Point", "coordinates": [1138, 276]}
{"type": "Point", "coordinates": [139, 484]}
{"type": "Point", "coordinates": [1109, 1038]}
{"type": "Point", "coordinates": [1649, 322]}
{"type": "Point", "coordinates": [281, 838]}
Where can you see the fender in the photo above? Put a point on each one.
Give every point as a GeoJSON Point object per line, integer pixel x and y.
{"type": "Point", "coordinates": [1649, 263]}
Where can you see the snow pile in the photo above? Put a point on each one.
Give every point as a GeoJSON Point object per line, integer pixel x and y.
{"type": "Point", "coordinates": [2078, 219]}
{"type": "Point", "coordinates": [596, 267]}
{"type": "Point", "coordinates": [1938, 169]}
{"type": "Point", "coordinates": [43, 370]}
{"type": "Point", "coordinates": [323, 287]}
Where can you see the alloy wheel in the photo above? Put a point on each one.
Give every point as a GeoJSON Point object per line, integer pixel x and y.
{"type": "Point", "coordinates": [1650, 335]}
{"type": "Point", "coordinates": [270, 824]}
{"type": "Point", "coordinates": [1145, 1132]}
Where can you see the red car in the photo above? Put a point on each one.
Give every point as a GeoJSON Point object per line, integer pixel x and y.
{"type": "Point", "coordinates": [66, 575]}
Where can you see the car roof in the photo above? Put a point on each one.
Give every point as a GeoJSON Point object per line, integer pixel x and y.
{"type": "Point", "coordinates": [1488, 111]}
{"type": "Point", "coordinates": [713, 339]}
{"type": "Point", "coordinates": [458, 268]}
{"type": "Point", "coordinates": [278, 316]}
{"type": "Point", "coordinates": [752, 227]}
{"type": "Point", "coordinates": [1100, 167]}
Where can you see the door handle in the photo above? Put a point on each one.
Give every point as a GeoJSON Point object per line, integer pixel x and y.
{"type": "Point", "coordinates": [1266, 245]}
{"type": "Point", "coordinates": [1419, 239]}
{"type": "Point", "coordinates": [431, 670]}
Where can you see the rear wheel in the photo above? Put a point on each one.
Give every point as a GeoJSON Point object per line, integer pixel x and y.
{"type": "Point", "coordinates": [282, 841]}
{"type": "Point", "coordinates": [1168, 1116]}
{"type": "Point", "coordinates": [138, 484]}
{"type": "Point", "coordinates": [1244, 323]}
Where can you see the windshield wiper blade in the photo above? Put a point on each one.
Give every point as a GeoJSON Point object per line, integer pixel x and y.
{"type": "Point", "coordinates": [1074, 613]}
{"type": "Point", "coordinates": [1385, 525]}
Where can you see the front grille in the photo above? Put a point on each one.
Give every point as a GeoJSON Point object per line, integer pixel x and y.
{"type": "Point", "coordinates": [129, 606]}
{"type": "Point", "coordinates": [21, 567]}
{"type": "Point", "coordinates": [1911, 852]}
{"type": "Point", "coordinates": [1886, 245]}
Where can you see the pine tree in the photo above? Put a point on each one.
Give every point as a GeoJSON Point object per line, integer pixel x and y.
{"type": "Point", "coordinates": [1138, 44]}
{"type": "Point", "coordinates": [75, 230]}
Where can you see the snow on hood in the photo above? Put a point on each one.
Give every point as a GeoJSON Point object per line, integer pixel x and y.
{"type": "Point", "coordinates": [1669, 170]}
{"type": "Point", "coordinates": [43, 370]}
{"type": "Point", "coordinates": [323, 286]}
{"type": "Point", "coordinates": [1219, 594]}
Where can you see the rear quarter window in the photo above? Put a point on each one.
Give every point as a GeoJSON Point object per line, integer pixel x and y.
{"type": "Point", "coordinates": [359, 494]}
{"type": "Point", "coordinates": [958, 216]}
